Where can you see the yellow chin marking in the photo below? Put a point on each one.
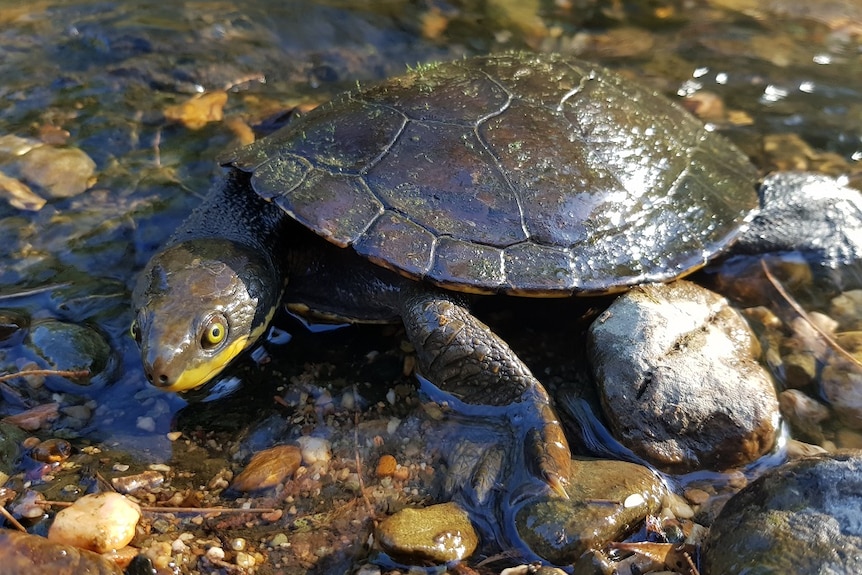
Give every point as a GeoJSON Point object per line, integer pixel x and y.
{"type": "Point", "coordinates": [200, 374]}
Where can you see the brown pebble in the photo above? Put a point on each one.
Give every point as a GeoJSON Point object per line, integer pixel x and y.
{"type": "Point", "coordinates": [401, 473]}
{"type": "Point", "coordinates": [386, 466]}
{"type": "Point", "coordinates": [52, 451]}
{"type": "Point", "coordinates": [268, 468]}
{"type": "Point", "coordinates": [696, 496]}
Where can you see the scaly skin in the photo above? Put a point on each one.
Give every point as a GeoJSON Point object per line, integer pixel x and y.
{"type": "Point", "coordinates": [462, 356]}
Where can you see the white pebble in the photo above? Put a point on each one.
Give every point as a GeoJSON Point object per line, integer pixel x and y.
{"type": "Point", "coordinates": [146, 424]}
{"type": "Point", "coordinates": [314, 449]}
{"type": "Point", "coordinates": [390, 396]}
{"type": "Point", "coordinates": [215, 554]}
{"type": "Point", "coordinates": [100, 522]}
{"type": "Point", "coordinates": [392, 425]}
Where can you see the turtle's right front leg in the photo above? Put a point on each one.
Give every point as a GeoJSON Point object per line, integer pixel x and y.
{"type": "Point", "coordinates": [462, 356]}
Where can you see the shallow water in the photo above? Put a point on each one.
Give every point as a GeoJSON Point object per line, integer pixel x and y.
{"type": "Point", "coordinates": [101, 77]}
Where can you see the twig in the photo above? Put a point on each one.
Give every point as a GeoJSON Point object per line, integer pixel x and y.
{"type": "Point", "coordinates": [198, 510]}
{"type": "Point", "coordinates": [59, 372]}
{"type": "Point", "coordinates": [368, 506]}
{"type": "Point", "coordinates": [804, 315]}
{"type": "Point", "coordinates": [11, 519]}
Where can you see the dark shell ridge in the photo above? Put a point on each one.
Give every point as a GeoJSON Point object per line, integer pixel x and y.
{"type": "Point", "coordinates": [525, 174]}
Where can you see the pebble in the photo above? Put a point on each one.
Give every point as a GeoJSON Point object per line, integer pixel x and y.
{"type": "Point", "coordinates": [145, 480]}
{"type": "Point", "coordinates": [215, 554]}
{"type": "Point", "coordinates": [314, 449]}
{"type": "Point", "coordinates": [610, 500]}
{"type": "Point", "coordinates": [51, 451]}
{"type": "Point", "coordinates": [25, 554]}
{"type": "Point", "coordinates": [268, 468]}
{"type": "Point", "coordinates": [59, 172]}
{"type": "Point", "coordinates": [245, 560]}
{"type": "Point", "coordinates": [98, 522]}
{"type": "Point", "coordinates": [438, 533]}
{"type": "Point", "coordinates": [386, 466]}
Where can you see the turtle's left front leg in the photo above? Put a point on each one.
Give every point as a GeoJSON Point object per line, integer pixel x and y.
{"type": "Point", "coordinates": [462, 356]}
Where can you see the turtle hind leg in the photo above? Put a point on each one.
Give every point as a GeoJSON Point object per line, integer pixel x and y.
{"type": "Point", "coordinates": [463, 357]}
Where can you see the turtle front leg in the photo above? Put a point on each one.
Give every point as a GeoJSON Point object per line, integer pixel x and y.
{"type": "Point", "coordinates": [462, 356]}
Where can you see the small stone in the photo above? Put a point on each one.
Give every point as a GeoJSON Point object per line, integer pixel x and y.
{"type": "Point", "coordinates": [386, 466]}
{"type": "Point", "coordinates": [60, 172]}
{"type": "Point", "coordinates": [245, 560]}
{"type": "Point", "coordinates": [314, 449]}
{"type": "Point", "coordinates": [198, 111]}
{"type": "Point", "coordinates": [696, 496]}
{"type": "Point", "coordinates": [145, 480]}
{"type": "Point", "coordinates": [22, 553]}
{"type": "Point", "coordinates": [215, 554]}
{"type": "Point", "coordinates": [278, 540]}
{"type": "Point", "coordinates": [612, 498]}
{"type": "Point", "coordinates": [439, 533]}
{"type": "Point", "coordinates": [174, 435]}
{"type": "Point", "coordinates": [51, 451]}
{"type": "Point", "coordinates": [146, 423]}
{"type": "Point", "coordinates": [100, 522]}
{"type": "Point", "coordinates": [238, 544]}
{"type": "Point", "coordinates": [268, 468]}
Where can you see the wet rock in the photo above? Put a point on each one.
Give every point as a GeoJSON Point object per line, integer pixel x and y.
{"type": "Point", "coordinates": [10, 446]}
{"type": "Point", "coordinates": [609, 500]}
{"type": "Point", "coordinates": [25, 554]}
{"type": "Point", "coordinates": [841, 380]}
{"type": "Point", "coordinates": [59, 172]}
{"type": "Point", "coordinates": [99, 522]}
{"type": "Point", "coordinates": [679, 380]}
{"type": "Point", "coordinates": [815, 501]}
{"type": "Point", "coordinates": [13, 328]}
{"type": "Point", "coordinates": [314, 449]}
{"type": "Point", "coordinates": [198, 111]}
{"type": "Point", "coordinates": [804, 414]}
{"type": "Point", "coordinates": [72, 347]}
{"type": "Point", "coordinates": [268, 468]}
{"type": "Point", "coordinates": [439, 533]}
{"type": "Point", "coordinates": [52, 450]}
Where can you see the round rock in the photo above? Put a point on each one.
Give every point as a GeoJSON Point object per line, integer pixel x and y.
{"type": "Point", "coordinates": [609, 499]}
{"type": "Point", "coordinates": [438, 533]}
{"type": "Point", "coordinates": [804, 517]}
{"type": "Point", "coordinates": [679, 380]}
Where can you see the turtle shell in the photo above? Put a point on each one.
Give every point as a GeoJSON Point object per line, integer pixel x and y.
{"type": "Point", "coordinates": [524, 174]}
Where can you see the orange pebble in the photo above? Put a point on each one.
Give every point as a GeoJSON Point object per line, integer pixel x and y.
{"type": "Point", "coordinates": [386, 466]}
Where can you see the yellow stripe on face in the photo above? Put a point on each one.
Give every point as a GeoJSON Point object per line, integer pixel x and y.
{"type": "Point", "coordinates": [203, 372]}
{"type": "Point", "coordinates": [200, 374]}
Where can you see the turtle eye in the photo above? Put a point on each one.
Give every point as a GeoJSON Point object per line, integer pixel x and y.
{"type": "Point", "coordinates": [214, 332]}
{"type": "Point", "coordinates": [135, 332]}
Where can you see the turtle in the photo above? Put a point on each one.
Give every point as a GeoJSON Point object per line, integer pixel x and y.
{"type": "Point", "coordinates": [524, 174]}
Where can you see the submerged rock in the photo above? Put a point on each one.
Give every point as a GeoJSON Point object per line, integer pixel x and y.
{"type": "Point", "coordinates": [73, 347]}
{"type": "Point", "coordinates": [609, 500]}
{"type": "Point", "coordinates": [679, 380]}
{"type": "Point", "coordinates": [439, 533]}
{"type": "Point", "coordinates": [25, 554]}
{"type": "Point", "coordinates": [804, 517]}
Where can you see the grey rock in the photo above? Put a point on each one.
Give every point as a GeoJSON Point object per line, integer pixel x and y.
{"type": "Point", "coordinates": [679, 381]}
{"type": "Point", "coordinates": [804, 517]}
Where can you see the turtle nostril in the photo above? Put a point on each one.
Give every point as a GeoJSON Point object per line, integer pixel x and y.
{"type": "Point", "coordinates": [163, 379]}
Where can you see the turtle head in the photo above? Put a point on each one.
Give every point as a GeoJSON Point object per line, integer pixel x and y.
{"type": "Point", "coordinates": [198, 304]}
